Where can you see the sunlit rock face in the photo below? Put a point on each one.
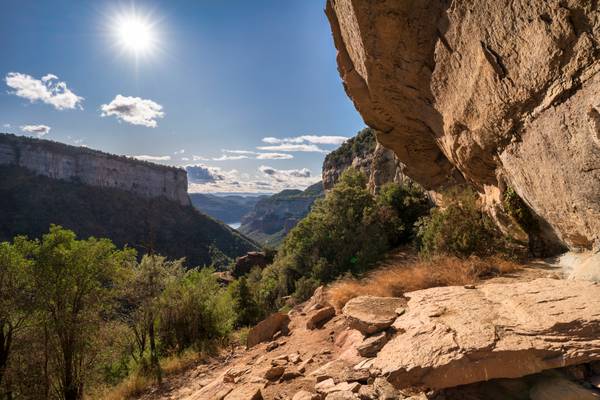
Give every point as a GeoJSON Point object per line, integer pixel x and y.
{"type": "Point", "coordinates": [500, 93]}
{"type": "Point", "coordinates": [70, 163]}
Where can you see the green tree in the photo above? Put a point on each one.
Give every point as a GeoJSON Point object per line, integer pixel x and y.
{"type": "Point", "coordinates": [246, 309]}
{"type": "Point", "coordinates": [194, 311]}
{"type": "Point", "coordinates": [15, 299]}
{"type": "Point", "coordinates": [148, 280]}
{"type": "Point", "coordinates": [74, 283]}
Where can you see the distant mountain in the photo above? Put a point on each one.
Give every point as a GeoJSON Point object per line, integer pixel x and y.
{"type": "Point", "coordinates": [227, 208]}
{"type": "Point", "coordinates": [273, 217]}
{"type": "Point", "coordinates": [133, 203]}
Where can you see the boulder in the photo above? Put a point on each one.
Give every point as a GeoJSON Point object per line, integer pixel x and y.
{"type": "Point", "coordinates": [268, 327]}
{"type": "Point", "coordinates": [561, 389]}
{"type": "Point", "coordinates": [500, 93]}
{"type": "Point", "coordinates": [274, 372]}
{"type": "Point", "coordinates": [246, 392]}
{"type": "Point", "coordinates": [318, 300]}
{"type": "Point", "coordinates": [452, 336]}
{"type": "Point", "coordinates": [318, 317]}
{"type": "Point", "coordinates": [371, 345]}
{"type": "Point", "coordinates": [370, 314]}
{"type": "Point", "coordinates": [304, 395]}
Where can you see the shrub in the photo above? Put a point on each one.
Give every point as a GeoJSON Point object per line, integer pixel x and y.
{"type": "Point", "coordinates": [245, 307]}
{"type": "Point", "coordinates": [194, 311]}
{"type": "Point", "coordinates": [458, 228]}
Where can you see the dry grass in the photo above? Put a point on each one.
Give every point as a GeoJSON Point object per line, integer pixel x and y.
{"type": "Point", "coordinates": [395, 280]}
{"type": "Point", "coordinates": [137, 384]}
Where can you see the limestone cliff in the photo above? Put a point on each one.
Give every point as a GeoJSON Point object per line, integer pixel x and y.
{"type": "Point", "coordinates": [95, 168]}
{"type": "Point", "coordinates": [500, 93]}
{"type": "Point", "coordinates": [363, 153]}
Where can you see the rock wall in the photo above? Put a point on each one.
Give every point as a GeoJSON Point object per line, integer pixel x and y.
{"type": "Point", "coordinates": [363, 153]}
{"type": "Point", "coordinates": [60, 161]}
{"type": "Point", "coordinates": [495, 92]}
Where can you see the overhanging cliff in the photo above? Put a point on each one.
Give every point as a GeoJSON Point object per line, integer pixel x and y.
{"type": "Point", "coordinates": [498, 93]}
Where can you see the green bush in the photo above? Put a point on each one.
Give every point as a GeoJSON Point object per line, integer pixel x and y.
{"type": "Point", "coordinates": [194, 311]}
{"type": "Point", "coordinates": [458, 228]}
{"type": "Point", "coordinates": [246, 309]}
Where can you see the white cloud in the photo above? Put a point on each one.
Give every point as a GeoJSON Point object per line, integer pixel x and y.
{"type": "Point", "coordinates": [274, 156]}
{"type": "Point", "coordinates": [45, 90]}
{"type": "Point", "coordinates": [185, 159]}
{"type": "Point", "coordinates": [199, 158]}
{"type": "Point", "coordinates": [206, 179]}
{"type": "Point", "coordinates": [145, 157]}
{"type": "Point", "coordinates": [315, 139]}
{"type": "Point", "coordinates": [238, 151]}
{"type": "Point", "coordinates": [179, 151]}
{"type": "Point", "coordinates": [6, 126]}
{"type": "Point", "coordinates": [226, 157]}
{"type": "Point", "coordinates": [133, 110]}
{"type": "Point", "coordinates": [37, 130]}
{"type": "Point", "coordinates": [288, 147]}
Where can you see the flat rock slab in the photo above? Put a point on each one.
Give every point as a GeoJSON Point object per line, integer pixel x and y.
{"type": "Point", "coordinates": [452, 336]}
{"type": "Point", "coordinates": [370, 314]}
{"type": "Point", "coordinates": [268, 327]}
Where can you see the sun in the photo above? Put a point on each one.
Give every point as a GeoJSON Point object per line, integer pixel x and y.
{"type": "Point", "coordinates": [135, 34]}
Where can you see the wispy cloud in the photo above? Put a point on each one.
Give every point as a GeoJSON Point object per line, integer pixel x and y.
{"type": "Point", "coordinates": [133, 110]}
{"type": "Point", "coordinates": [315, 139]}
{"type": "Point", "coordinates": [37, 130]}
{"type": "Point", "coordinates": [226, 157]}
{"type": "Point", "coordinates": [145, 157]}
{"type": "Point", "coordinates": [238, 151]}
{"type": "Point", "coordinates": [179, 151]}
{"type": "Point", "coordinates": [289, 147]}
{"type": "Point", "coordinates": [199, 158]}
{"type": "Point", "coordinates": [274, 156]}
{"type": "Point", "coordinates": [48, 90]}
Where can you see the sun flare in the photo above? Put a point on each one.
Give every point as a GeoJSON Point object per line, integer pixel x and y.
{"type": "Point", "coordinates": [135, 34]}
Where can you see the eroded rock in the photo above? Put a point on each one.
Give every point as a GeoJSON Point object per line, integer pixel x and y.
{"type": "Point", "coordinates": [267, 328]}
{"type": "Point", "coordinates": [318, 317]}
{"type": "Point", "coordinates": [499, 92]}
{"type": "Point", "coordinates": [494, 331]}
{"type": "Point", "coordinates": [370, 314]}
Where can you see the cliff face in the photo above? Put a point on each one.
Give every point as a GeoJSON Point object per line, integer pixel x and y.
{"type": "Point", "coordinates": [70, 163]}
{"type": "Point", "coordinates": [500, 93]}
{"type": "Point", "coordinates": [363, 153]}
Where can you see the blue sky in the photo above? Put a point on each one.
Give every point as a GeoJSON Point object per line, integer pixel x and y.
{"type": "Point", "coordinates": [219, 75]}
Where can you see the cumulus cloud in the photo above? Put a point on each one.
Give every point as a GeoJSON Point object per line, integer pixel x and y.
{"type": "Point", "coordinates": [48, 90]}
{"type": "Point", "coordinates": [274, 156]}
{"type": "Point", "coordinates": [145, 157]}
{"type": "Point", "coordinates": [37, 130]}
{"type": "Point", "coordinates": [204, 174]}
{"type": "Point", "coordinates": [289, 178]}
{"type": "Point", "coordinates": [315, 139]}
{"type": "Point", "coordinates": [290, 147]}
{"type": "Point", "coordinates": [133, 110]}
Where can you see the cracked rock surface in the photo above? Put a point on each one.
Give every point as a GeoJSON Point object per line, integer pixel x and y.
{"type": "Point", "coordinates": [495, 92]}
{"type": "Point", "coordinates": [451, 336]}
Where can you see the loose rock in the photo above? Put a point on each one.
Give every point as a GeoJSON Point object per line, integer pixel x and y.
{"type": "Point", "coordinates": [268, 327]}
{"type": "Point", "coordinates": [317, 318]}
{"type": "Point", "coordinates": [370, 314]}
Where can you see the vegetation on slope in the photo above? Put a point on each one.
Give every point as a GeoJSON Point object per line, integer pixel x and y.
{"type": "Point", "coordinates": [30, 203]}
{"type": "Point", "coordinates": [76, 315]}
{"type": "Point", "coordinates": [229, 209]}
{"type": "Point", "coordinates": [273, 217]}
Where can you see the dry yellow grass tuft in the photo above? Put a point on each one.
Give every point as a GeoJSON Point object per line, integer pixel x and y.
{"type": "Point", "coordinates": [395, 280]}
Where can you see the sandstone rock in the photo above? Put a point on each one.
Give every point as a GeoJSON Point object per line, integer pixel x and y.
{"type": "Point", "coordinates": [370, 314]}
{"type": "Point", "coordinates": [502, 93]}
{"type": "Point", "coordinates": [342, 395]}
{"type": "Point", "coordinates": [367, 392]}
{"type": "Point", "coordinates": [233, 374]}
{"type": "Point", "coordinates": [318, 300]}
{"type": "Point", "coordinates": [294, 358]}
{"type": "Point", "coordinates": [274, 372]}
{"type": "Point", "coordinates": [494, 331]}
{"type": "Point", "coordinates": [373, 344]}
{"type": "Point", "coordinates": [317, 318]}
{"type": "Point", "coordinates": [385, 390]}
{"type": "Point", "coordinates": [268, 327]}
{"type": "Point", "coordinates": [246, 392]}
{"type": "Point", "coordinates": [560, 389]}
{"type": "Point", "coordinates": [304, 395]}
{"type": "Point", "coordinates": [325, 385]}
{"type": "Point", "coordinates": [290, 373]}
